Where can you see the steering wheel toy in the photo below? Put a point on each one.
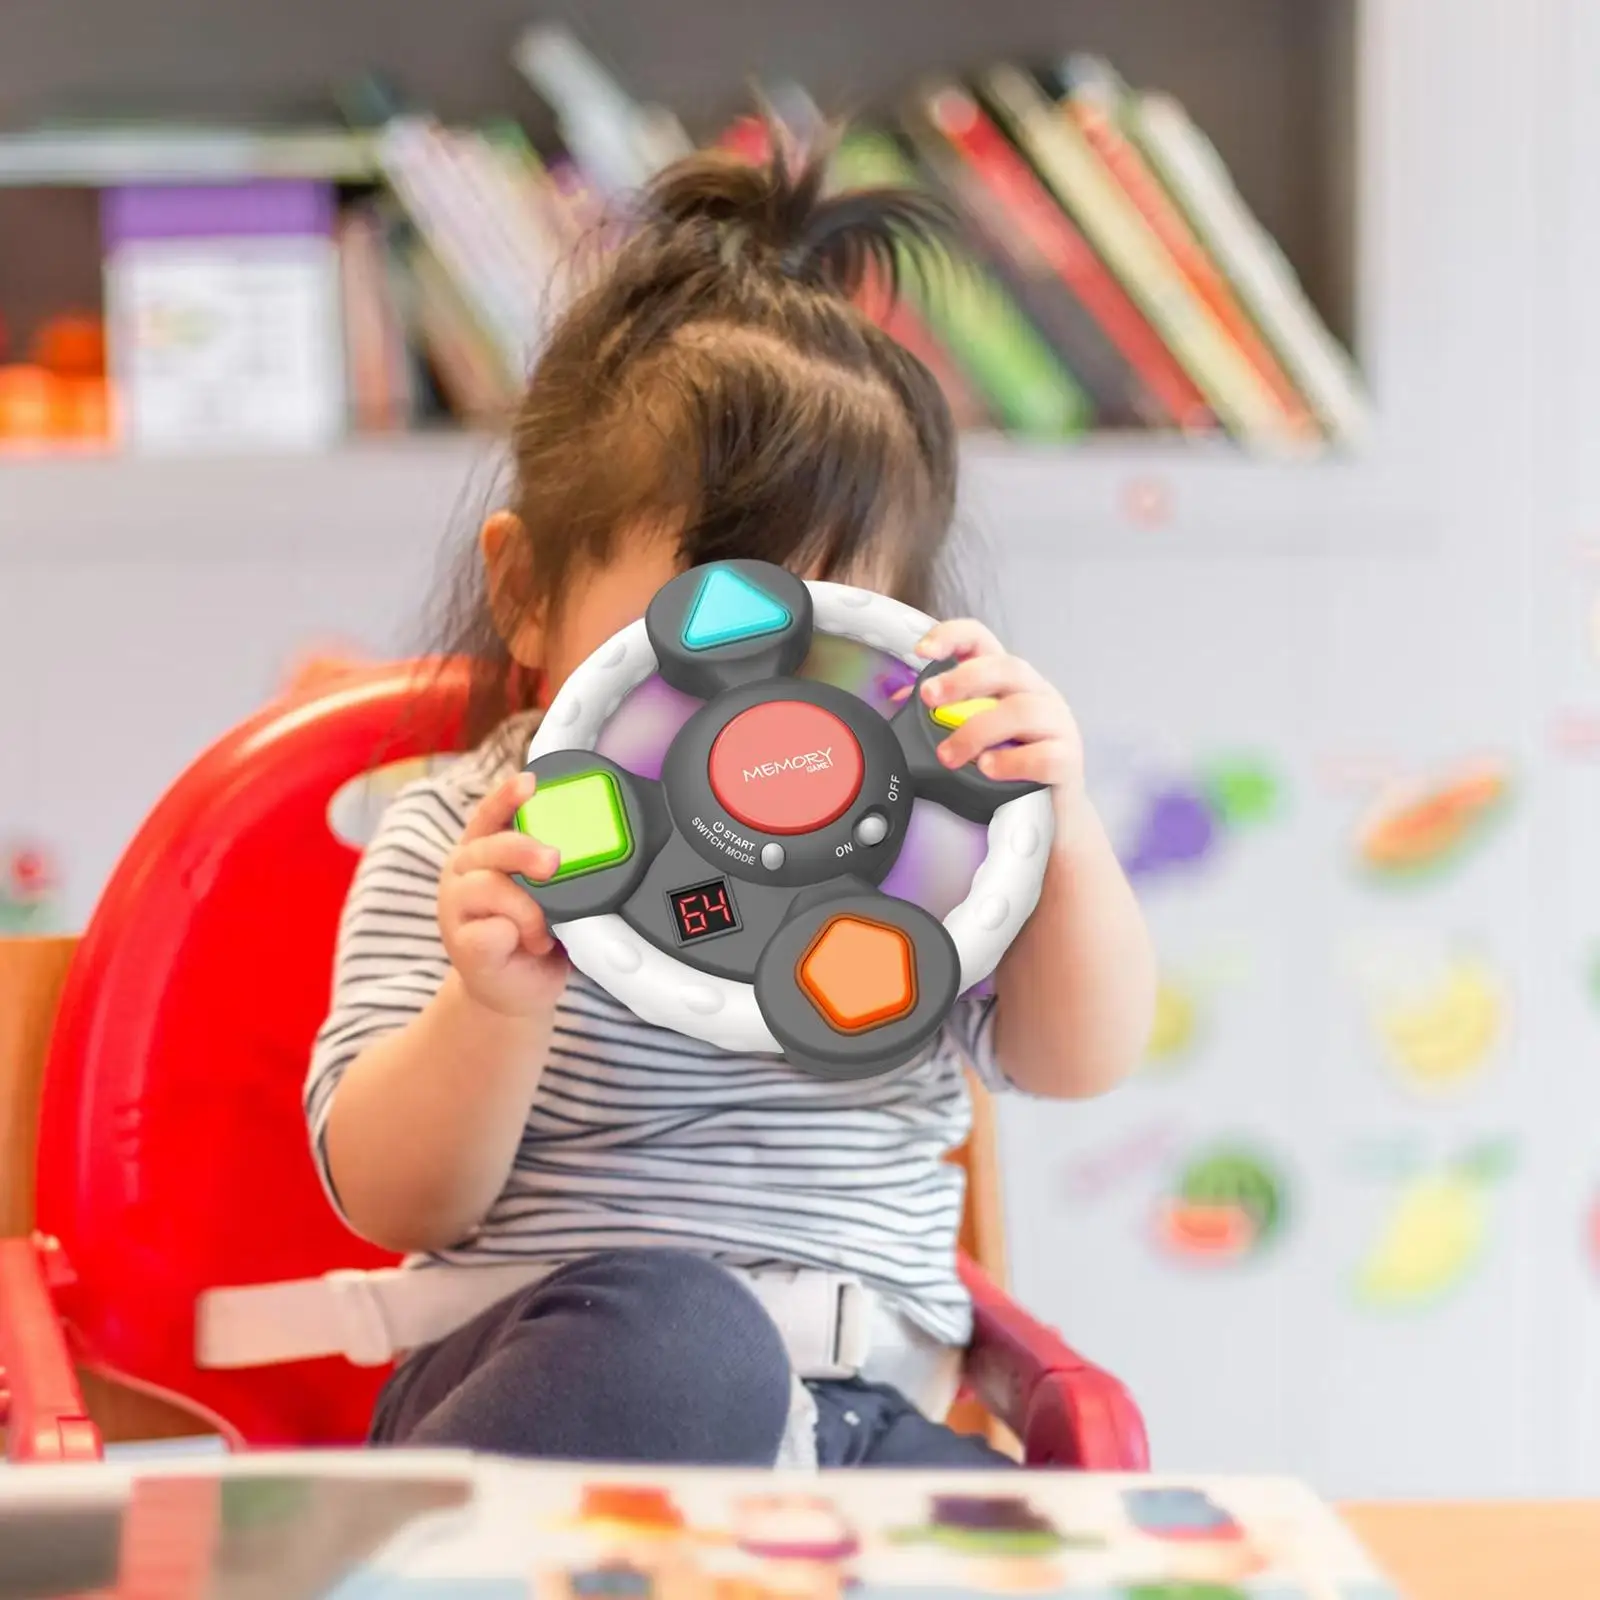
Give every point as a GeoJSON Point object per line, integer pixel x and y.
{"type": "Point", "coordinates": [737, 897]}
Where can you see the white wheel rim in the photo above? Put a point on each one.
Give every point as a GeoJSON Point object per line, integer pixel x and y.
{"type": "Point", "coordinates": [660, 989]}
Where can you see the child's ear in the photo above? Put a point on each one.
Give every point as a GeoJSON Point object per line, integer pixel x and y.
{"type": "Point", "coordinates": [519, 617]}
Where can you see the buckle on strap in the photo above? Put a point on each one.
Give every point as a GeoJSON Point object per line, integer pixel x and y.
{"type": "Point", "coordinates": [825, 1319]}
{"type": "Point", "coordinates": [359, 1319]}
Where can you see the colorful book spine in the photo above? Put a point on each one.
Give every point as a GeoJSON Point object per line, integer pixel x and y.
{"type": "Point", "coordinates": [893, 313]}
{"type": "Point", "coordinates": [1021, 379]}
{"type": "Point", "coordinates": [501, 193]}
{"type": "Point", "coordinates": [1033, 217]}
{"type": "Point", "coordinates": [1120, 401]}
{"type": "Point", "coordinates": [1068, 164]}
{"type": "Point", "coordinates": [747, 138]}
{"type": "Point", "coordinates": [1196, 175]}
{"type": "Point", "coordinates": [619, 143]}
{"type": "Point", "coordinates": [419, 168]}
{"type": "Point", "coordinates": [504, 232]}
{"type": "Point", "coordinates": [1095, 97]}
{"type": "Point", "coordinates": [583, 211]}
{"type": "Point", "coordinates": [400, 239]}
{"type": "Point", "coordinates": [377, 369]}
{"type": "Point", "coordinates": [546, 204]}
{"type": "Point", "coordinates": [464, 363]}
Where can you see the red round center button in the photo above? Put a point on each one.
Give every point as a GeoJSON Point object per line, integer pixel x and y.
{"type": "Point", "coordinates": [785, 767]}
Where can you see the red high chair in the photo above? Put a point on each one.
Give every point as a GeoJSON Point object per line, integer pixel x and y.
{"type": "Point", "coordinates": [172, 1152]}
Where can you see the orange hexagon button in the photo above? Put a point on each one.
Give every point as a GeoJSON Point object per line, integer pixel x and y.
{"type": "Point", "coordinates": [859, 974]}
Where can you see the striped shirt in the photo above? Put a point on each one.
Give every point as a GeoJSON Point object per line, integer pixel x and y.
{"type": "Point", "coordinates": [641, 1136]}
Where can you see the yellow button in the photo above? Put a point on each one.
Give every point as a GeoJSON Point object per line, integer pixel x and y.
{"type": "Point", "coordinates": [959, 711]}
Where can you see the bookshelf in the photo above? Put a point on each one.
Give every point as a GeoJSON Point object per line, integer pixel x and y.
{"type": "Point", "coordinates": [1274, 83]}
{"type": "Point", "coordinates": [1271, 82]}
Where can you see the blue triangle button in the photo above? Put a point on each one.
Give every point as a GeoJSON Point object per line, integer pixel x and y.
{"type": "Point", "coordinates": [729, 609]}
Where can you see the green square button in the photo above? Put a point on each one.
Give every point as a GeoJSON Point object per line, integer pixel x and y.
{"type": "Point", "coordinates": [583, 818]}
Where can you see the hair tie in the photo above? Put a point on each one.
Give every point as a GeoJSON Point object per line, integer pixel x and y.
{"type": "Point", "coordinates": [795, 261]}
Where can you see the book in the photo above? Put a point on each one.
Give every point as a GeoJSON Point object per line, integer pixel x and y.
{"type": "Point", "coordinates": [747, 138]}
{"type": "Point", "coordinates": [1115, 392]}
{"type": "Point", "coordinates": [223, 316]}
{"type": "Point", "coordinates": [504, 195]}
{"type": "Point", "coordinates": [442, 179]}
{"type": "Point", "coordinates": [377, 362]}
{"type": "Point", "coordinates": [1196, 176]}
{"type": "Point", "coordinates": [1044, 240]}
{"type": "Point", "coordinates": [894, 314]}
{"type": "Point", "coordinates": [1064, 158]}
{"type": "Point", "coordinates": [618, 143]}
{"type": "Point", "coordinates": [548, 206]}
{"type": "Point", "coordinates": [1095, 96]}
{"type": "Point", "coordinates": [1021, 379]}
{"type": "Point", "coordinates": [469, 371]}
{"type": "Point", "coordinates": [556, 220]}
{"type": "Point", "coordinates": [401, 1525]}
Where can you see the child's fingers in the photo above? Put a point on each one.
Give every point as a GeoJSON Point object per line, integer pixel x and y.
{"type": "Point", "coordinates": [507, 851]}
{"type": "Point", "coordinates": [1048, 761]}
{"type": "Point", "coordinates": [495, 813]}
{"type": "Point", "coordinates": [963, 637]}
{"type": "Point", "coordinates": [981, 676]}
{"type": "Point", "coordinates": [1017, 717]}
{"type": "Point", "coordinates": [492, 894]}
{"type": "Point", "coordinates": [488, 942]}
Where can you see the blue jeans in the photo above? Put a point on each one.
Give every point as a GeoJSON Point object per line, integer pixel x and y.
{"type": "Point", "coordinates": [644, 1356]}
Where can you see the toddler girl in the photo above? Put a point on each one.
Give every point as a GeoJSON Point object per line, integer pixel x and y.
{"type": "Point", "coordinates": [643, 1211]}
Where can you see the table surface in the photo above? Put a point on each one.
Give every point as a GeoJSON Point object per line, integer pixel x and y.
{"type": "Point", "coordinates": [1499, 1551]}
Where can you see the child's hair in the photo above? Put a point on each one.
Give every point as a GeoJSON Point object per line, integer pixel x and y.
{"type": "Point", "coordinates": [720, 382]}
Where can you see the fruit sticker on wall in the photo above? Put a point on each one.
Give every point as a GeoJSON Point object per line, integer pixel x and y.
{"type": "Point", "coordinates": [1422, 828]}
{"type": "Point", "coordinates": [1227, 1204]}
{"type": "Point", "coordinates": [1180, 822]}
{"type": "Point", "coordinates": [1592, 974]}
{"type": "Point", "coordinates": [1177, 1022]}
{"type": "Point", "coordinates": [1185, 996]}
{"type": "Point", "coordinates": [1098, 1172]}
{"type": "Point", "coordinates": [1438, 1014]}
{"type": "Point", "coordinates": [29, 885]}
{"type": "Point", "coordinates": [1437, 1231]}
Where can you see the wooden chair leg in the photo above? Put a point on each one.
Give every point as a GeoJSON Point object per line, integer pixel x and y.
{"type": "Point", "coordinates": [32, 972]}
{"type": "Point", "coordinates": [983, 1239]}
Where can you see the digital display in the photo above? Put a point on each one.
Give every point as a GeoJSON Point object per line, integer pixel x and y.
{"type": "Point", "coordinates": [703, 911]}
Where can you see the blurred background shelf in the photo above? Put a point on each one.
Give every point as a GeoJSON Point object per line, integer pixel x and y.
{"type": "Point", "coordinates": [1271, 84]}
{"type": "Point", "coordinates": [1107, 497]}
{"type": "Point", "coordinates": [1271, 81]}
{"type": "Point", "coordinates": [360, 499]}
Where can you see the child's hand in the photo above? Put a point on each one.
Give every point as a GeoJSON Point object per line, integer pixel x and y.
{"type": "Point", "coordinates": [496, 936]}
{"type": "Point", "coordinates": [1031, 718]}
